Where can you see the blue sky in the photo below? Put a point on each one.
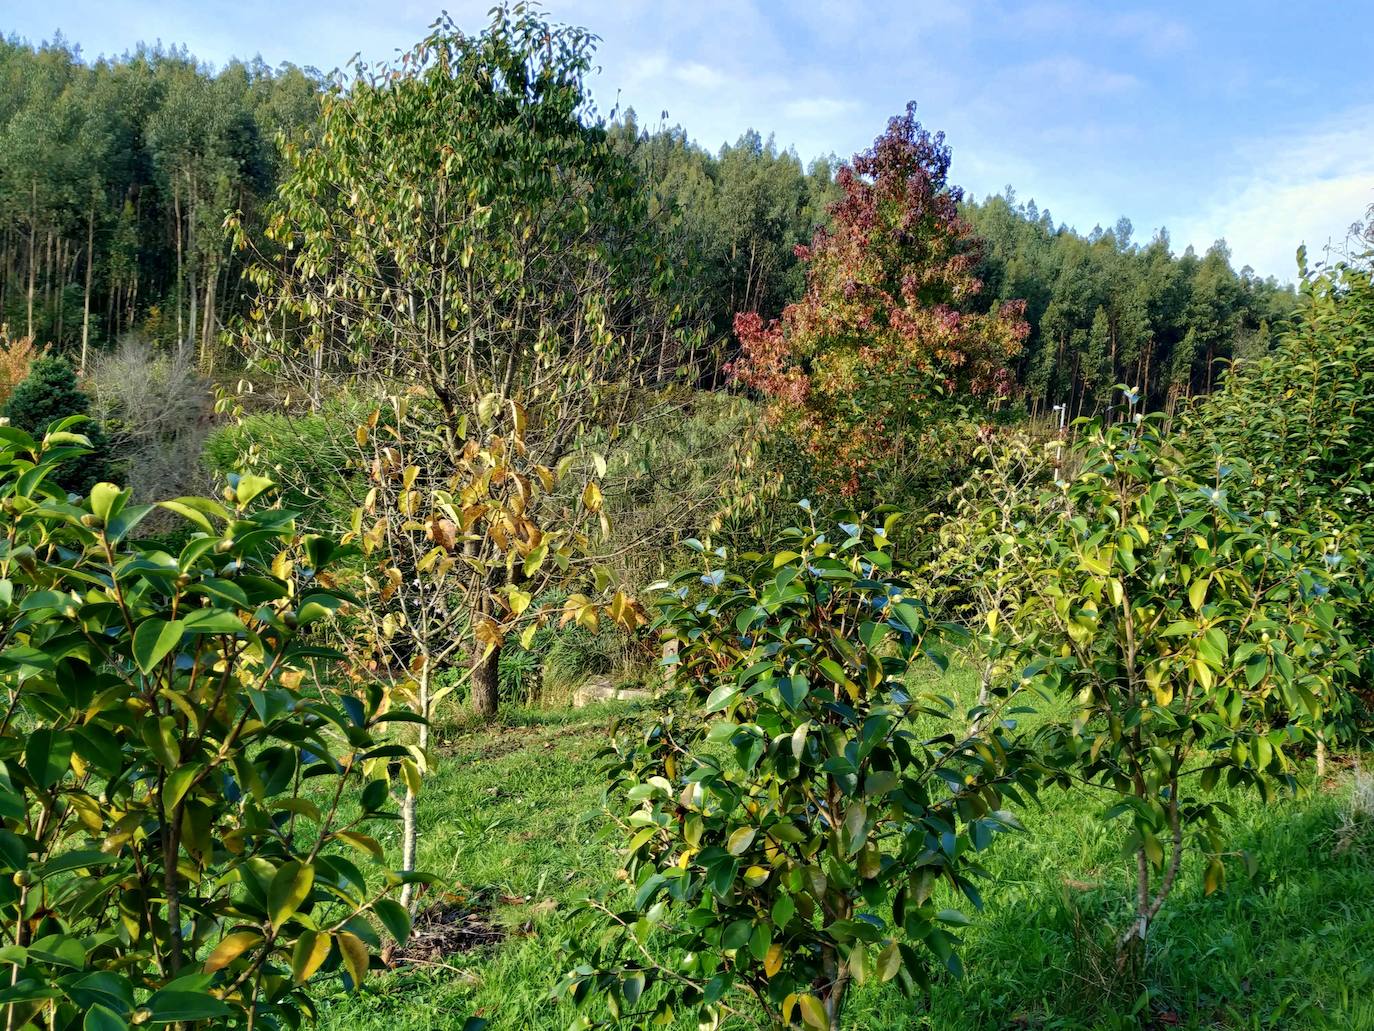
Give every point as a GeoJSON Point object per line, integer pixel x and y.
{"type": "Point", "coordinates": [1252, 121]}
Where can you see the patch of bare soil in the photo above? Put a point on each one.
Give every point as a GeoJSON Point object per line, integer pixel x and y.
{"type": "Point", "coordinates": [452, 924]}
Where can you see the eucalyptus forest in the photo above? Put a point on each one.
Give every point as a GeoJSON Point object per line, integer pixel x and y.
{"type": "Point", "coordinates": [471, 561]}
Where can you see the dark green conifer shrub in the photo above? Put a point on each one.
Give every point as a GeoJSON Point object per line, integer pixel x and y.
{"type": "Point", "coordinates": [50, 393]}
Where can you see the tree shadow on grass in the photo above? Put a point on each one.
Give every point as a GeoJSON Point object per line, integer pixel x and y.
{"type": "Point", "coordinates": [1290, 948]}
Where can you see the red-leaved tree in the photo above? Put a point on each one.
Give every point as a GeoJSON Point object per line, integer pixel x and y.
{"type": "Point", "coordinates": [858, 371]}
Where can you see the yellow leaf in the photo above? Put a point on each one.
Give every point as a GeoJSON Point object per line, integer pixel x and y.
{"type": "Point", "coordinates": [788, 1005]}
{"type": "Point", "coordinates": [360, 435]}
{"type": "Point", "coordinates": [488, 633]}
{"type": "Point", "coordinates": [361, 842]}
{"type": "Point", "coordinates": [889, 962]}
{"type": "Point", "coordinates": [312, 948]}
{"type": "Point", "coordinates": [591, 496]}
{"type": "Point", "coordinates": [411, 773]}
{"type": "Point", "coordinates": [772, 962]}
{"type": "Point", "coordinates": [813, 1012]}
{"type": "Point", "coordinates": [740, 840]}
{"type": "Point", "coordinates": [1197, 593]}
{"type": "Point", "coordinates": [354, 956]}
{"type": "Point", "coordinates": [230, 949]}
{"type": "Point", "coordinates": [1212, 879]}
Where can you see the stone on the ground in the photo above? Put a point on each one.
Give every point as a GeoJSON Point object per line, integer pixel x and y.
{"type": "Point", "coordinates": [604, 691]}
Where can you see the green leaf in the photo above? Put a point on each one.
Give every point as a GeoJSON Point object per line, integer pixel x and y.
{"type": "Point", "coordinates": [47, 755]}
{"type": "Point", "coordinates": [251, 485]}
{"type": "Point", "coordinates": [153, 639]}
{"type": "Point", "coordinates": [213, 621]}
{"type": "Point", "coordinates": [288, 890]}
{"type": "Point", "coordinates": [161, 736]}
{"type": "Point", "coordinates": [721, 697]}
{"type": "Point", "coordinates": [102, 1018]}
{"type": "Point", "coordinates": [783, 910]}
{"type": "Point", "coordinates": [106, 501]}
{"type": "Point", "coordinates": [168, 1006]}
{"type": "Point", "coordinates": [178, 782]}
{"type": "Point", "coordinates": [737, 934]}
{"type": "Point", "coordinates": [395, 918]}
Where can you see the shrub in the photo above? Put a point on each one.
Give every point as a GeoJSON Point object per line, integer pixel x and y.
{"type": "Point", "coordinates": [575, 654]}
{"type": "Point", "coordinates": [174, 849]}
{"type": "Point", "coordinates": [819, 823]}
{"type": "Point", "coordinates": [1291, 431]}
{"type": "Point", "coordinates": [48, 395]}
{"type": "Point", "coordinates": [1194, 639]}
{"type": "Point", "coordinates": [310, 455]}
{"type": "Point", "coordinates": [155, 407]}
{"type": "Point", "coordinates": [517, 675]}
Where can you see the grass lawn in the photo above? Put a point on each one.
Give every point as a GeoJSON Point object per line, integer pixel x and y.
{"type": "Point", "coordinates": [511, 822]}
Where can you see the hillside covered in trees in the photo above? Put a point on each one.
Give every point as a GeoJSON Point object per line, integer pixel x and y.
{"type": "Point", "coordinates": [117, 174]}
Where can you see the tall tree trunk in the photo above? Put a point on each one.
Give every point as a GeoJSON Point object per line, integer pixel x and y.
{"type": "Point", "coordinates": [176, 212]}
{"type": "Point", "coordinates": [86, 299]}
{"type": "Point", "coordinates": [33, 250]}
{"type": "Point", "coordinates": [207, 334]}
{"type": "Point", "coordinates": [192, 262]}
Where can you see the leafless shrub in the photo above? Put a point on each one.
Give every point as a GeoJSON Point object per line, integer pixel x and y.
{"type": "Point", "coordinates": [156, 409]}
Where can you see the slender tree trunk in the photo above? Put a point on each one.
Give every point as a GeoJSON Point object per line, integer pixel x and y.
{"type": "Point", "coordinates": [410, 828]}
{"type": "Point", "coordinates": [207, 334]}
{"type": "Point", "coordinates": [33, 250]}
{"type": "Point", "coordinates": [86, 299]}
{"type": "Point", "coordinates": [176, 213]}
{"type": "Point", "coordinates": [47, 281]}
{"type": "Point", "coordinates": [192, 257]}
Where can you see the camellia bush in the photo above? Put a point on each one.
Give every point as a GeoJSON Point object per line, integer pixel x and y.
{"type": "Point", "coordinates": [183, 809]}
{"type": "Point", "coordinates": [819, 822]}
{"type": "Point", "coordinates": [1196, 643]}
{"type": "Point", "coordinates": [1291, 431]}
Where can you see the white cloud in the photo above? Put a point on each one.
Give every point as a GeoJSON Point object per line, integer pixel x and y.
{"type": "Point", "coordinates": [818, 109]}
{"type": "Point", "coordinates": [700, 76]}
{"type": "Point", "coordinates": [1068, 75]}
{"type": "Point", "coordinates": [1295, 189]}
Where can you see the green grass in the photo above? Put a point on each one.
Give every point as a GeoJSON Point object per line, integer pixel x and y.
{"type": "Point", "coordinates": [513, 813]}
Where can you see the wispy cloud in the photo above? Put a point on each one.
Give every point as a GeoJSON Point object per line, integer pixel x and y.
{"type": "Point", "coordinates": [819, 109]}
{"type": "Point", "coordinates": [1065, 74]}
{"type": "Point", "coordinates": [1297, 188]}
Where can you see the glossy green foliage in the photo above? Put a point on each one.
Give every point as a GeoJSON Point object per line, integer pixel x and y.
{"type": "Point", "coordinates": [1195, 640]}
{"type": "Point", "coordinates": [819, 821]}
{"type": "Point", "coordinates": [174, 849]}
{"type": "Point", "coordinates": [1291, 433]}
